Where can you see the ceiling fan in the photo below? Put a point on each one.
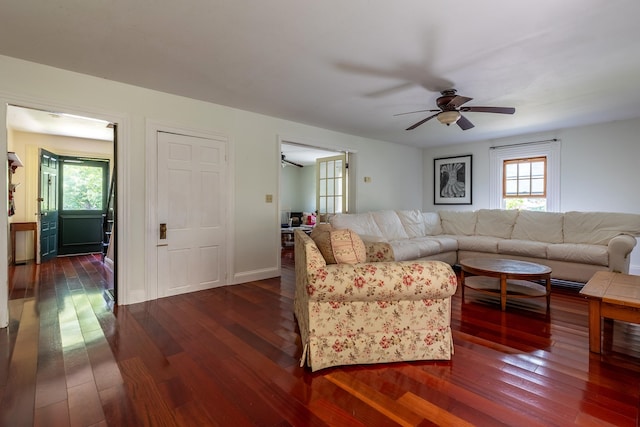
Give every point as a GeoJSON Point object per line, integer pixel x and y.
{"type": "Point", "coordinates": [450, 107]}
{"type": "Point", "coordinates": [285, 161]}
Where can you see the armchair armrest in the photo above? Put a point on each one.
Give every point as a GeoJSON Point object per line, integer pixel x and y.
{"type": "Point", "coordinates": [382, 281]}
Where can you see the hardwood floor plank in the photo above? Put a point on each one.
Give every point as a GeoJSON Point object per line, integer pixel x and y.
{"type": "Point", "coordinates": [53, 415]}
{"type": "Point", "coordinates": [333, 415]}
{"type": "Point", "coordinates": [85, 407]}
{"type": "Point", "coordinates": [375, 399]}
{"type": "Point", "coordinates": [431, 412]}
{"type": "Point", "coordinates": [144, 394]}
{"type": "Point", "coordinates": [207, 396]}
{"type": "Point", "coordinates": [19, 396]}
{"type": "Point", "coordinates": [51, 379]}
{"type": "Point", "coordinates": [118, 408]}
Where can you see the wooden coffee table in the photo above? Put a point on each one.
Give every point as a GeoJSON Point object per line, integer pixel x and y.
{"type": "Point", "coordinates": [613, 296]}
{"type": "Point", "coordinates": [506, 277]}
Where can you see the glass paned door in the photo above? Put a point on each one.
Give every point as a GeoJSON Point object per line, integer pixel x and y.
{"type": "Point", "coordinates": [331, 173]}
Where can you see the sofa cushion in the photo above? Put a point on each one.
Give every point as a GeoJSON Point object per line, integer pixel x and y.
{"type": "Point", "coordinates": [427, 246]}
{"type": "Point", "coordinates": [432, 225]}
{"type": "Point", "coordinates": [447, 243]}
{"type": "Point", "coordinates": [361, 223]}
{"type": "Point", "coordinates": [578, 252]}
{"type": "Point", "coordinates": [413, 222]}
{"type": "Point", "coordinates": [405, 250]}
{"type": "Point", "coordinates": [460, 223]}
{"type": "Point", "coordinates": [347, 247]}
{"type": "Point", "coordinates": [598, 228]}
{"type": "Point", "coordinates": [538, 227]}
{"type": "Point", "coordinates": [478, 244]}
{"type": "Point", "coordinates": [321, 236]}
{"type": "Point", "coordinates": [523, 247]}
{"type": "Point", "coordinates": [389, 224]}
{"type": "Point", "coordinates": [496, 222]}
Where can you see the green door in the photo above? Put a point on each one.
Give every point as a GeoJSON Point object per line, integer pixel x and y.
{"type": "Point", "coordinates": [48, 205]}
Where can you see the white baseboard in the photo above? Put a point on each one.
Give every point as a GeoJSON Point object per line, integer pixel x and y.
{"type": "Point", "coordinates": [250, 276]}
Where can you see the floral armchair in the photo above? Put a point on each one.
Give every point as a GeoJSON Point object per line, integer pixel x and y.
{"type": "Point", "coordinates": [371, 312]}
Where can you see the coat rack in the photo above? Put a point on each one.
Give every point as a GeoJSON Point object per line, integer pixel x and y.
{"type": "Point", "coordinates": [14, 163]}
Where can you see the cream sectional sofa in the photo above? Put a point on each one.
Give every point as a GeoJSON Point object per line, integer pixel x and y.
{"type": "Point", "coordinates": [574, 244]}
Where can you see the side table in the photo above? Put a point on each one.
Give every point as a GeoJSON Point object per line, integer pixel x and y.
{"type": "Point", "coordinates": [612, 296]}
{"type": "Point", "coordinates": [23, 226]}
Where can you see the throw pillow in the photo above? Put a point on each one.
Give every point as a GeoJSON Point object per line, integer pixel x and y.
{"type": "Point", "coordinates": [347, 247]}
{"type": "Point", "coordinates": [321, 236]}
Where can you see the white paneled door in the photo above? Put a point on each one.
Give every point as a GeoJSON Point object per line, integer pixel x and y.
{"type": "Point", "coordinates": [191, 197]}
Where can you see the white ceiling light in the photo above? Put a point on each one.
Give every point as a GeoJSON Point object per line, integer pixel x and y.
{"type": "Point", "coordinates": [448, 117]}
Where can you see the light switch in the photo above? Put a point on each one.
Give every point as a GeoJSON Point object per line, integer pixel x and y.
{"type": "Point", "coordinates": [367, 179]}
{"type": "Point", "coordinates": [269, 198]}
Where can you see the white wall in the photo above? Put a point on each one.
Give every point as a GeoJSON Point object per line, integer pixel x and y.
{"type": "Point", "coordinates": [298, 189]}
{"type": "Point", "coordinates": [599, 169]}
{"type": "Point", "coordinates": [394, 181]}
{"type": "Point", "coordinates": [254, 162]}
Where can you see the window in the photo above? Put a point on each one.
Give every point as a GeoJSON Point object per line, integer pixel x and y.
{"type": "Point", "coordinates": [525, 176]}
{"type": "Point", "coordinates": [524, 183]}
{"type": "Point", "coordinates": [83, 185]}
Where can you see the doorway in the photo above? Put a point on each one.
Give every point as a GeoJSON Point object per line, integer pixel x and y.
{"type": "Point", "coordinates": [298, 177]}
{"type": "Point", "coordinates": [39, 135]}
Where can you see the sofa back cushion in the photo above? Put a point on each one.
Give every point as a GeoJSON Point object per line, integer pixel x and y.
{"type": "Point", "coordinates": [347, 247]}
{"type": "Point", "coordinates": [496, 222]}
{"type": "Point", "coordinates": [389, 224]}
{"type": "Point", "coordinates": [362, 223]}
{"type": "Point", "coordinates": [432, 225]}
{"type": "Point", "coordinates": [597, 228]}
{"type": "Point", "coordinates": [461, 223]}
{"type": "Point", "coordinates": [412, 222]}
{"type": "Point", "coordinates": [538, 227]}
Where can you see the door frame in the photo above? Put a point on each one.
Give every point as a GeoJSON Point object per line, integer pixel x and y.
{"type": "Point", "coordinates": [122, 153]}
{"type": "Point", "coordinates": [151, 149]}
{"type": "Point", "coordinates": [305, 142]}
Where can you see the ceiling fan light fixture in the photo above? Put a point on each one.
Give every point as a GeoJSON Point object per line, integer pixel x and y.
{"type": "Point", "coordinates": [448, 117]}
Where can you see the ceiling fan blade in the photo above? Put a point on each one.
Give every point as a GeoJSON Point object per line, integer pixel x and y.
{"type": "Point", "coordinates": [464, 123]}
{"type": "Point", "coordinates": [294, 163]}
{"type": "Point", "coordinates": [501, 110]}
{"type": "Point", "coordinates": [290, 162]}
{"type": "Point", "coordinates": [418, 111]}
{"type": "Point", "coordinates": [457, 101]}
{"type": "Point", "coordinates": [422, 121]}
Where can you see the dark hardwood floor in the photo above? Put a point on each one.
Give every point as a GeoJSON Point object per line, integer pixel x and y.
{"type": "Point", "coordinates": [229, 357]}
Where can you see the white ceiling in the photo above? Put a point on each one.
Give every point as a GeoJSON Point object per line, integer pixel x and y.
{"type": "Point", "coordinates": [351, 65]}
{"type": "Point", "coordinates": [303, 155]}
{"type": "Point", "coordinates": [52, 123]}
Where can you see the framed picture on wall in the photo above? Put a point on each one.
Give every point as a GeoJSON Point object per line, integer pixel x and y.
{"type": "Point", "coordinates": [452, 180]}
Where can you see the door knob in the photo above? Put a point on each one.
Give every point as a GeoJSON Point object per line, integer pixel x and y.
{"type": "Point", "coordinates": [163, 231]}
